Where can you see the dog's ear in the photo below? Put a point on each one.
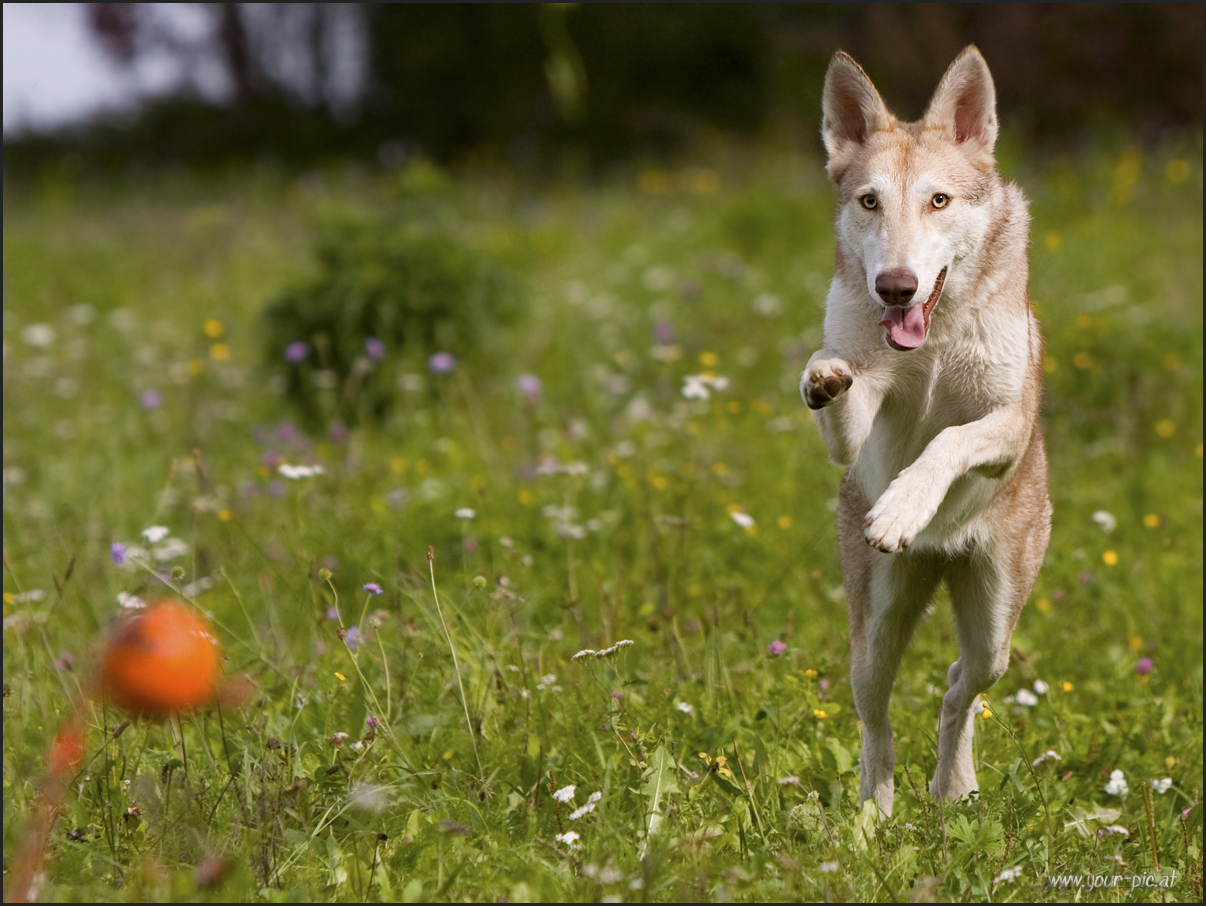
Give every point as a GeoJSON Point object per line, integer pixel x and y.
{"type": "Point", "coordinates": [965, 105]}
{"type": "Point", "coordinates": [852, 110]}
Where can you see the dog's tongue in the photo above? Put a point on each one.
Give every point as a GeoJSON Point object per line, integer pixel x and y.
{"type": "Point", "coordinates": [906, 325]}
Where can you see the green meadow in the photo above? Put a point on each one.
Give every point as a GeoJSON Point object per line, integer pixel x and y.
{"type": "Point", "coordinates": [622, 467]}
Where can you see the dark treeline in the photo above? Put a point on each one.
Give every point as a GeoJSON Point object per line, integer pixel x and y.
{"type": "Point", "coordinates": [524, 84]}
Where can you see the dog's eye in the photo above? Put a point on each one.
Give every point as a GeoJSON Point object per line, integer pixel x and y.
{"type": "Point", "coordinates": [870, 202]}
{"type": "Point", "coordinates": [940, 200]}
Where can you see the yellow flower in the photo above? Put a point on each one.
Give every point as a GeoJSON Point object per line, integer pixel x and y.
{"type": "Point", "coordinates": [214, 329]}
{"type": "Point", "coordinates": [226, 515]}
{"type": "Point", "coordinates": [1066, 686]}
{"type": "Point", "coordinates": [734, 407]}
{"type": "Point", "coordinates": [819, 714]}
{"type": "Point", "coordinates": [1170, 762]}
{"type": "Point", "coordinates": [525, 497]}
{"type": "Point", "coordinates": [1049, 364]}
{"type": "Point", "coordinates": [1177, 171]}
{"type": "Point", "coordinates": [1151, 520]}
{"type": "Point", "coordinates": [708, 359]}
{"type": "Point", "coordinates": [783, 522]}
{"type": "Point", "coordinates": [219, 352]}
{"type": "Point", "coordinates": [1082, 360]}
{"type": "Point", "coordinates": [1136, 643]}
{"type": "Point", "coordinates": [1053, 241]}
{"type": "Point", "coordinates": [1043, 605]}
{"type": "Point", "coordinates": [1109, 558]}
{"type": "Point", "coordinates": [1165, 427]}
{"type": "Point", "coordinates": [810, 673]}
{"type": "Point", "coordinates": [341, 676]}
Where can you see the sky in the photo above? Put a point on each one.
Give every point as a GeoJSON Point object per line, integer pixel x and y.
{"type": "Point", "coordinates": [55, 74]}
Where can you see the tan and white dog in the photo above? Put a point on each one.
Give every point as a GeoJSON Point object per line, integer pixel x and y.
{"type": "Point", "coordinates": [928, 388]}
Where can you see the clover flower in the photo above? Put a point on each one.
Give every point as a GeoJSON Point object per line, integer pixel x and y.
{"type": "Point", "coordinates": [1144, 666]}
{"type": "Point", "coordinates": [441, 363]}
{"type": "Point", "coordinates": [375, 348]}
{"type": "Point", "coordinates": [1117, 785]}
{"type": "Point", "coordinates": [297, 351]}
{"type": "Point", "coordinates": [776, 648]}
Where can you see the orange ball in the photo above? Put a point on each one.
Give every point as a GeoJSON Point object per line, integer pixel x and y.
{"type": "Point", "coordinates": [160, 661]}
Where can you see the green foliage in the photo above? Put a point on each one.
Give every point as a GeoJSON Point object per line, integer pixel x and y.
{"type": "Point", "coordinates": [387, 281]}
{"type": "Point", "coordinates": [592, 508]}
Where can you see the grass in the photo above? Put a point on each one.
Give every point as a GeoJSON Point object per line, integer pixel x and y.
{"type": "Point", "coordinates": [598, 509]}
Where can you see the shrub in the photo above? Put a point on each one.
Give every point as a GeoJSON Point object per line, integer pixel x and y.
{"type": "Point", "coordinates": [384, 293]}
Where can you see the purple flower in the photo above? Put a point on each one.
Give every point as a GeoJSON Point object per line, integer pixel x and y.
{"type": "Point", "coordinates": [151, 399]}
{"type": "Point", "coordinates": [663, 333]}
{"type": "Point", "coordinates": [117, 553]}
{"type": "Point", "coordinates": [441, 363]}
{"type": "Point", "coordinates": [297, 351]}
{"type": "Point", "coordinates": [530, 386]}
{"type": "Point", "coordinates": [375, 348]}
{"type": "Point", "coordinates": [373, 722]}
{"type": "Point", "coordinates": [1144, 667]}
{"type": "Point", "coordinates": [332, 613]}
{"type": "Point", "coordinates": [776, 648]}
{"type": "Point", "coordinates": [352, 637]}
{"type": "Point", "coordinates": [373, 587]}
{"type": "Point", "coordinates": [65, 661]}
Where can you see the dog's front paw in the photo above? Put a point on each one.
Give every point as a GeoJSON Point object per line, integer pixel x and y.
{"type": "Point", "coordinates": [898, 517]}
{"type": "Point", "coordinates": [824, 380]}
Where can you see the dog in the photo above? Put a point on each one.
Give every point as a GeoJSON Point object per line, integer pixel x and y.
{"type": "Point", "coordinates": [928, 388]}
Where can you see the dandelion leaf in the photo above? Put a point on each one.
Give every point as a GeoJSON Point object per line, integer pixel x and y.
{"type": "Point", "coordinates": [658, 782]}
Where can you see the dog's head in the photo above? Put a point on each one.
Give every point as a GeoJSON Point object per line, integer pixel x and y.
{"type": "Point", "coordinates": [911, 196]}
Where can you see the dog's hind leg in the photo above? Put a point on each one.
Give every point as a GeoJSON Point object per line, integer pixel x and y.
{"type": "Point", "coordinates": [886, 595]}
{"type": "Point", "coordinates": [986, 601]}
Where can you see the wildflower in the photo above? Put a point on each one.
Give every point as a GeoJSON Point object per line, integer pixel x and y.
{"type": "Point", "coordinates": [1144, 666]}
{"type": "Point", "coordinates": [130, 602]}
{"type": "Point", "coordinates": [117, 553]}
{"type": "Point", "coordinates": [352, 637]}
{"type": "Point", "coordinates": [584, 653]}
{"type": "Point", "coordinates": [337, 740]}
{"type": "Point", "coordinates": [745, 520]}
{"type": "Point", "coordinates": [1026, 698]}
{"type": "Point", "coordinates": [1049, 755]}
{"type": "Point", "coordinates": [296, 472]}
{"type": "Point", "coordinates": [530, 386]}
{"type": "Point", "coordinates": [1117, 785]}
{"type": "Point", "coordinates": [373, 723]}
{"type": "Point", "coordinates": [1106, 520]}
{"type": "Point", "coordinates": [375, 348]}
{"type": "Point", "coordinates": [66, 661]}
{"type": "Point", "coordinates": [170, 550]}
{"type": "Point", "coordinates": [819, 714]}
{"type": "Point", "coordinates": [1109, 558]}
{"type": "Point", "coordinates": [1112, 830]}
{"type": "Point", "coordinates": [372, 587]}
{"type": "Point", "coordinates": [589, 807]}
{"type": "Point", "coordinates": [297, 351]}
{"type": "Point", "coordinates": [150, 399]}
{"type": "Point", "coordinates": [155, 533]}
{"type": "Point", "coordinates": [565, 794]}
{"type": "Point", "coordinates": [1040, 687]}
{"type": "Point", "coordinates": [479, 581]}
{"type": "Point", "coordinates": [1066, 686]}
{"type": "Point", "coordinates": [695, 386]}
{"type": "Point", "coordinates": [1162, 786]}
{"type": "Point", "coordinates": [791, 780]}
{"type": "Point", "coordinates": [569, 838]}
{"type": "Point", "coordinates": [41, 335]}
{"type": "Point", "coordinates": [441, 363]}
{"type": "Point", "coordinates": [465, 513]}
{"type": "Point", "coordinates": [828, 867]}
{"type": "Point", "coordinates": [776, 648]}
{"type": "Point", "coordinates": [1009, 874]}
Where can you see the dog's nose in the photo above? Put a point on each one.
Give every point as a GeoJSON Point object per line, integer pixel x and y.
{"type": "Point", "coordinates": [896, 286]}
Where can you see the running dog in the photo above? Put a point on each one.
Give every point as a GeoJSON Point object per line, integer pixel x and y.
{"type": "Point", "coordinates": [928, 388]}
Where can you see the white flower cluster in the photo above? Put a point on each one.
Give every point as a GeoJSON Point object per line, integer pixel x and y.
{"type": "Point", "coordinates": [695, 386]}
{"type": "Point", "coordinates": [295, 472]}
{"type": "Point", "coordinates": [606, 652]}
